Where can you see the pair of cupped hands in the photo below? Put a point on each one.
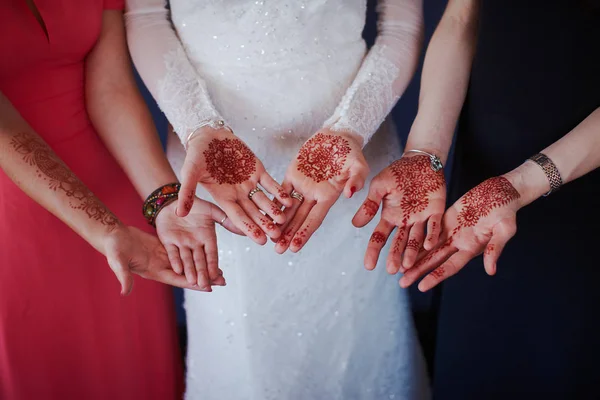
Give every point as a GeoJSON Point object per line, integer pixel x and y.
{"type": "Point", "coordinates": [428, 240]}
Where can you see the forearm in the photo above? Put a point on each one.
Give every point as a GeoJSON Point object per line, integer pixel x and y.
{"type": "Point", "coordinates": [34, 167]}
{"type": "Point", "coordinates": [574, 155]}
{"type": "Point", "coordinates": [445, 79]}
{"type": "Point", "coordinates": [119, 112]}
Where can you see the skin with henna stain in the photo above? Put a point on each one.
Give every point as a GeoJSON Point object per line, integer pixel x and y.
{"type": "Point", "coordinates": [378, 237]}
{"type": "Point", "coordinates": [229, 161]}
{"type": "Point", "coordinates": [51, 169]}
{"type": "Point", "coordinates": [323, 156]}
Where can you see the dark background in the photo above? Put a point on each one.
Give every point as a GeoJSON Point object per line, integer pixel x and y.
{"type": "Point", "coordinates": [403, 115]}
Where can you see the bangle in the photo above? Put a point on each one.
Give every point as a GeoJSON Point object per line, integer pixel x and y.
{"type": "Point", "coordinates": [219, 124]}
{"type": "Point", "coordinates": [436, 163]}
{"type": "Point", "coordinates": [550, 170]}
{"type": "Point", "coordinates": [159, 199]}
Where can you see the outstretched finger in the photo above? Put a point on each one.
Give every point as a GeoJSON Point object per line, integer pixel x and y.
{"type": "Point", "coordinates": [450, 267]}
{"type": "Point", "coordinates": [279, 191]}
{"type": "Point", "coordinates": [267, 225]}
{"type": "Point", "coordinates": [243, 222]}
{"type": "Point", "coordinates": [188, 264]}
{"type": "Point", "coordinates": [313, 221]}
{"type": "Point", "coordinates": [430, 261]}
{"type": "Point", "coordinates": [174, 259]}
{"type": "Point", "coordinates": [201, 269]}
{"type": "Point", "coordinates": [501, 234]}
{"type": "Point", "coordinates": [189, 181]}
{"type": "Point", "coordinates": [292, 227]}
{"type": "Point", "coordinates": [221, 218]}
{"type": "Point", "coordinates": [394, 260]}
{"type": "Point", "coordinates": [413, 245]}
{"type": "Point", "coordinates": [434, 228]}
{"type": "Point", "coordinates": [268, 207]}
{"type": "Point", "coordinates": [376, 242]}
{"type": "Point", "coordinates": [370, 206]}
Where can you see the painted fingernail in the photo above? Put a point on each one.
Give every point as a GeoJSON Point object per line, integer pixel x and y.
{"type": "Point", "coordinates": [352, 191]}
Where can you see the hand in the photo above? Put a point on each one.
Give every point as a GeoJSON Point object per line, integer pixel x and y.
{"type": "Point", "coordinates": [129, 250]}
{"type": "Point", "coordinates": [414, 196]}
{"type": "Point", "coordinates": [483, 220]}
{"type": "Point", "coordinates": [327, 164]}
{"type": "Point", "coordinates": [191, 242]}
{"type": "Point", "coordinates": [229, 170]}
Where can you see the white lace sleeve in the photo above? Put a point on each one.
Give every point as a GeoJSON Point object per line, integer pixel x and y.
{"type": "Point", "coordinates": [164, 67]}
{"type": "Point", "coordinates": [385, 72]}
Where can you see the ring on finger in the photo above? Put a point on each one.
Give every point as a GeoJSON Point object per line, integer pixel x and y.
{"type": "Point", "coordinates": [297, 195]}
{"type": "Point", "coordinates": [223, 220]}
{"type": "Point", "coordinates": [253, 192]}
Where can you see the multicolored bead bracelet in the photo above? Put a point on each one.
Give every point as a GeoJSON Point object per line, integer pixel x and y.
{"type": "Point", "coordinates": [159, 199]}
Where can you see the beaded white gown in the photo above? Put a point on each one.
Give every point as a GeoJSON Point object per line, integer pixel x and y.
{"type": "Point", "coordinates": [312, 325]}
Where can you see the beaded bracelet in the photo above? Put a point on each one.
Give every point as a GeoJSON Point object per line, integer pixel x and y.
{"type": "Point", "coordinates": [159, 199]}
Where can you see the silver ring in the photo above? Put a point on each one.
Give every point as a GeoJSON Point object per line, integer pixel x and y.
{"type": "Point", "coordinates": [298, 196]}
{"type": "Point", "coordinates": [253, 192]}
{"type": "Point", "coordinates": [223, 220]}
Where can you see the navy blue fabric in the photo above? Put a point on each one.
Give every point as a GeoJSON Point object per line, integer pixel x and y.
{"type": "Point", "coordinates": [532, 330]}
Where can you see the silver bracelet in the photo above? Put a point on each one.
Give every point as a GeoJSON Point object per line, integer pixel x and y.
{"type": "Point", "coordinates": [436, 163]}
{"type": "Point", "coordinates": [214, 124]}
{"type": "Point", "coordinates": [550, 170]}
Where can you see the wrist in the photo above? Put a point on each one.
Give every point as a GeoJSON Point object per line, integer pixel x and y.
{"type": "Point", "coordinates": [99, 241]}
{"type": "Point", "coordinates": [530, 181]}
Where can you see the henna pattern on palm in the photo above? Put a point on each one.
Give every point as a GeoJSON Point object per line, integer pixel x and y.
{"type": "Point", "coordinates": [229, 161]}
{"type": "Point", "coordinates": [482, 199]}
{"type": "Point", "coordinates": [416, 180]}
{"type": "Point", "coordinates": [323, 156]}
{"type": "Point", "coordinates": [50, 168]}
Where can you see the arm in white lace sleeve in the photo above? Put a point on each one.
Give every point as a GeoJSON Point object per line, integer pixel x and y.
{"type": "Point", "coordinates": [386, 71]}
{"type": "Point", "coordinates": [164, 67]}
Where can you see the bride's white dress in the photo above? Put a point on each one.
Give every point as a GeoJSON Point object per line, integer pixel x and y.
{"type": "Point", "coordinates": [312, 325]}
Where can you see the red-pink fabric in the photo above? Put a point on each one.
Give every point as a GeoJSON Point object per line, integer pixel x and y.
{"type": "Point", "coordinates": [114, 4]}
{"type": "Point", "coordinates": [65, 332]}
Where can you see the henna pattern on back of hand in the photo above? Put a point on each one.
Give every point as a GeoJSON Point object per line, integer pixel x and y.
{"type": "Point", "coordinates": [482, 199]}
{"type": "Point", "coordinates": [229, 161]}
{"type": "Point", "coordinates": [50, 168]}
{"type": "Point", "coordinates": [323, 156]}
{"type": "Point", "coordinates": [416, 180]}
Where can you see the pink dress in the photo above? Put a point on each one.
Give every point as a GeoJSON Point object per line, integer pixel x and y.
{"type": "Point", "coordinates": [65, 332]}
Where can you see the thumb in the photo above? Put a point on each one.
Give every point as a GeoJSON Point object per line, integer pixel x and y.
{"type": "Point", "coordinates": [356, 182]}
{"type": "Point", "coordinates": [188, 188]}
{"type": "Point", "coordinates": [501, 234]}
{"type": "Point", "coordinates": [121, 270]}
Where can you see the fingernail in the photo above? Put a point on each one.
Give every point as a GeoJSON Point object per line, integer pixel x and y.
{"type": "Point", "coordinates": [352, 191]}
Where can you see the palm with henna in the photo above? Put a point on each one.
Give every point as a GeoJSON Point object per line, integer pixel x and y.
{"type": "Point", "coordinates": [482, 221]}
{"type": "Point", "coordinates": [328, 164]}
{"type": "Point", "coordinates": [412, 197]}
{"type": "Point", "coordinates": [226, 167]}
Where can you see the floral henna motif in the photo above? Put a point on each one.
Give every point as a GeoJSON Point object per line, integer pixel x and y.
{"type": "Point", "coordinates": [323, 156]}
{"type": "Point", "coordinates": [399, 239]}
{"type": "Point", "coordinates": [416, 180]}
{"type": "Point", "coordinates": [276, 211]}
{"type": "Point", "coordinates": [378, 237]}
{"type": "Point", "coordinates": [370, 208]}
{"type": "Point", "coordinates": [37, 153]}
{"type": "Point", "coordinates": [439, 272]}
{"type": "Point", "coordinates": [413, 244]}
{"type": "Point", "coordinates": [482, 199]}
{"type": "Point", "coordinates": [489, 249]}
{"type": "Point", "coordinates": [229, 161]}
{"type": "Point", "coordinates": [283, 194]}
{"type": "Point", "coordinates": [270, 225]}
{"type": "Point", "coordinates": [256, 232]}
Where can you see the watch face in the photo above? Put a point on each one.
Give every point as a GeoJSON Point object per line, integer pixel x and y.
{"type": "Point", "coordinates": [436, 164]}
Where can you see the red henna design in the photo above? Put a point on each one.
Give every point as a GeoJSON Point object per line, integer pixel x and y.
{"type": "Point", "coordinates": [276, 211]}
{"type": "Point", "coordinates": [489, 249]}
{"type": "Point", "coordinates": [283, 242]}
{"type": "Point", "coordinates": [370, 208]}
{"type": "Point", "coordinates": [413, 244]}
{"type": "Point", "coordinates": [60, 178]}
{"type": "Point", "coordinates": [297, 242]}
{"type": "Point", "coordinates": [323, 156]}
{"type": "Point", "coordinates": [398, 241]}
{"type": "Point", "coordinates": [482, 199]}
{"type": "Point", "coordinates": [439, 272]}
{"type": "Point", "coordinates": [229, 161]}
{"type": "Point", "coordinates": [352, 191]}
{"type": "Point", "coordinates": [283, 194]}
{"type": "Point", "coordinates": [416, 180]}
{"type": "Point", "coordinates": [189, 202]}
{"type": "Point", "coordinates": [378, 237]}
{"type": "Point", "coordinates": [255, 230]}
{"type": "Point", "coordinates": [268, 224]}
{"type": "Point", "coordinates": [429, 256]}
